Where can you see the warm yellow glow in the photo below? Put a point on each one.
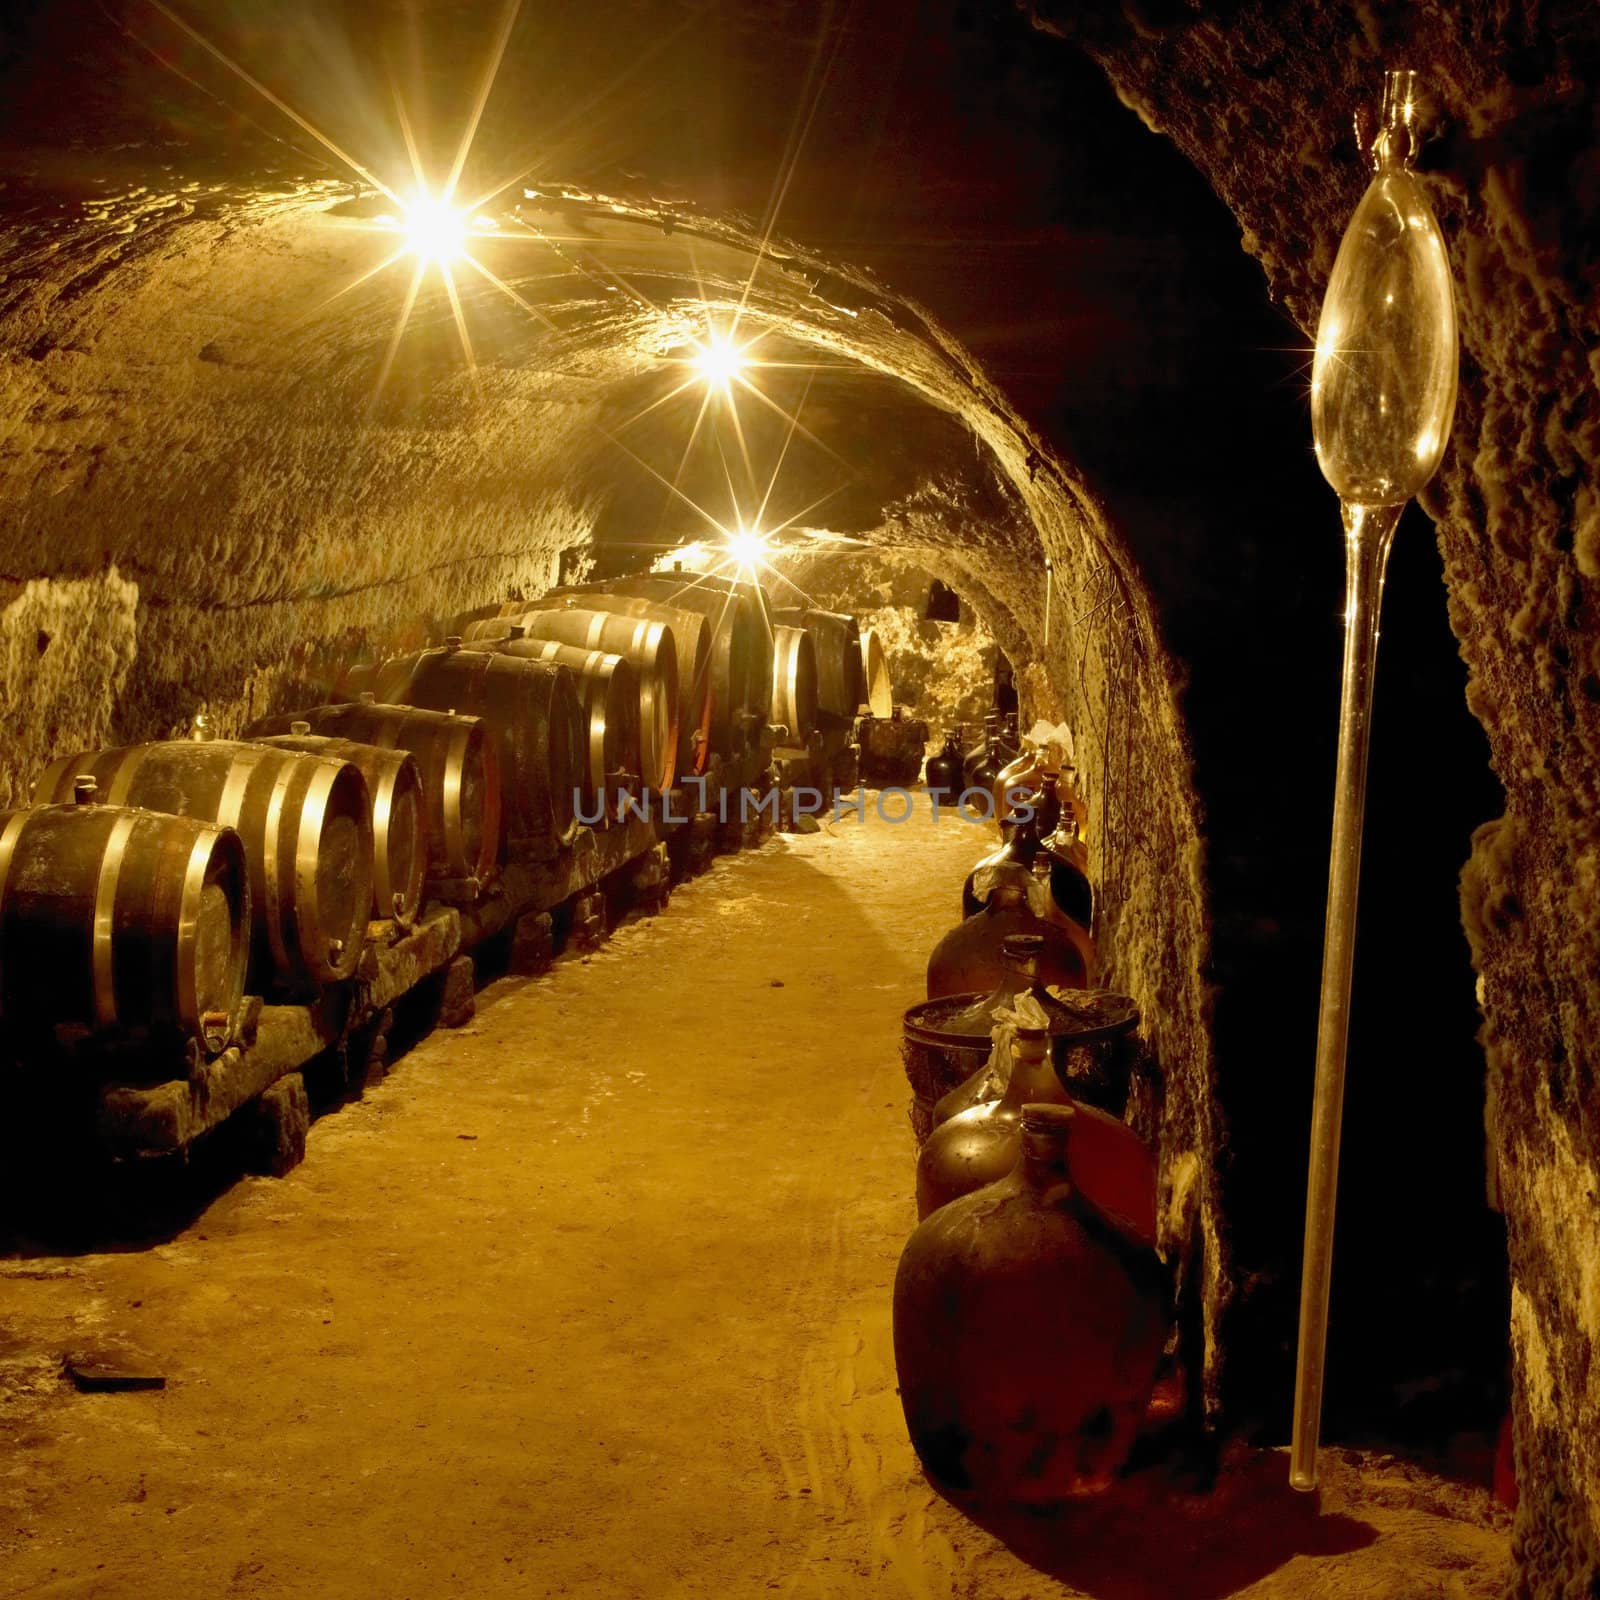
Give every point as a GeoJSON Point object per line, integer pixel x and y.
{"type": "Point", "coordinates": [748, 548]}
{"type": "Point", "coordinates": [436, 231]}
{"type": "Point", "coordinates": [719, 361]}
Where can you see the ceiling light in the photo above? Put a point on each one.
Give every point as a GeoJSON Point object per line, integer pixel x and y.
{"type": "Point", "coordinates": [435, 231]}
{"type": "Point", "coordinates": [747, 548]}
{"type": "Point", "coordinates": [718, 360]}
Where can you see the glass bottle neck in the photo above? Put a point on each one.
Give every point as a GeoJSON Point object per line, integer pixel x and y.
{"type": "Point", "coordinates": [1032, 1076]}
{"type": "Point", "coordinates": [1046, 1158]}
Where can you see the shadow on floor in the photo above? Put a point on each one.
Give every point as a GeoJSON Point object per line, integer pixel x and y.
{"type": "Point", "coordinates": [1154, 1537]}
{"type": "Point", "coordinates": [62, 1194]}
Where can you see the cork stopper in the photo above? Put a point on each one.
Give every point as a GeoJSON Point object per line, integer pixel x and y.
{"type": "Point", "coordinates": [299, 727]}
{"type": "Point", "coordinates": [84, 789]}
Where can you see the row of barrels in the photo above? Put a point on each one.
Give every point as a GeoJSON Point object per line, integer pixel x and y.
{"type": "Point", "coordinates": [707, 662]}
{"type": "Point", "coordinates": [150, 884]}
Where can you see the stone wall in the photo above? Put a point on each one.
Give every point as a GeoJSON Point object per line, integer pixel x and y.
{"type": "Point", "coordinates": [1261, 98]}
{"type": "Point", "coordinates": [943, 672]}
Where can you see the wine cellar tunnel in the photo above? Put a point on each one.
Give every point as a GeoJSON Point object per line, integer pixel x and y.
{"type": "Point", "coordinates": [976, 276]}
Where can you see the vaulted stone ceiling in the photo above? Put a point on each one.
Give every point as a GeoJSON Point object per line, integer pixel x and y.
{"type": "Point", "coordinates": [208, 496]}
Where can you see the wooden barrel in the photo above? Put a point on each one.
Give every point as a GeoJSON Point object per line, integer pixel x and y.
{"type": "Point", "coordinates": [837, 640]}
{"type": "Point", "coordinates": [691, 639]}
{"type": "Point", "coordinates": [460, 767]}
{"type": "Point", "coordinates": [741, 657]}
{"type": "Point", "coordinates": [877, 693]}
{"type": "Point", "coordinates": [608, 691]}
{"type": "Point", "coordinates": [481, 631]}
{"type": "Point", "coordinates": [531, 707]}
{"type": "Point", "coordinates": [305, 822]}
{"type": "Point", "coordinates": [794, 683]}
{"type": "Point", "coordinates": [757, 602]}
{"type": "Point", "coordinates": [648, 653]}
{"type": "Point", "coordinates": [487, 613]}
{"type": "Point", "coordinates": [399, 814]}
{"type": "Point", "coordinates": [650, 646]}
{"type": "Point", "coordinates": [121, 921]}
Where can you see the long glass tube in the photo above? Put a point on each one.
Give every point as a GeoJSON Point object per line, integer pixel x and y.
{"type": "Point", "coordinates": [1383, 392]}
{"type": "Point", "coordinates": [1368, 535]}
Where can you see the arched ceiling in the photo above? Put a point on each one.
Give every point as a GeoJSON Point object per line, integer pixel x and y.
{"type": "Point", "coordinates": [230, 460]}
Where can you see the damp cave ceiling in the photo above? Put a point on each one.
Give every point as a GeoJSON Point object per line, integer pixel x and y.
{"type": "Point", "coordinates": [244, 339]}
{"type": "Point", "coordinates": [266, 384]}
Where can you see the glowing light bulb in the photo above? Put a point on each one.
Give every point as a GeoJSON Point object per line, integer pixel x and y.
{"type": "Point", "coordinates": [719, 361]}
{"type": "Point", "coordinates": [746, 547]}
{"type": "Point", "coordinates": [435, 231]}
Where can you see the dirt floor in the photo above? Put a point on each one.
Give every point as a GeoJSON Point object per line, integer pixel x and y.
{"type": "Point", "coordinates": [592, 1298]}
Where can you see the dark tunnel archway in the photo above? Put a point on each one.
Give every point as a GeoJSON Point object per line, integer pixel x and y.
{"type": "Point", "coordinates": [209, 500]}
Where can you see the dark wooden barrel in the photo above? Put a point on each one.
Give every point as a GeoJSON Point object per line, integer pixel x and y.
{"type": "Point", "coordinates": [399, 814]}
{"type": "Point", "coordinates": [305, 822]}
{"type": "Point", "coordinates": [460, 767]}
{"type": "Point", "coordinates": [877, 692]}
{"type": "Point", "coordinates": [648, 653]}
{"type": "Point", "coordinates": [794, 683]}
{"type": "Point", "coordinates": [487, 613]}
{"type": "Point", "coordinates": [532, 709]}
{"type": "Point", "coordinates": [691, 639]}
{"type": "Point", "coordinates": [637, 639]}
{"type": "Point", "coordinates": [121, 921]}
{"type": "Point", "coordinates": [758, 606]}
{"type": "Point", "coordinates": [608, 691]}
{"type": "Point", "coordinates": [741, 655]}
{"type": "Point", "coordinates": [837, 640]}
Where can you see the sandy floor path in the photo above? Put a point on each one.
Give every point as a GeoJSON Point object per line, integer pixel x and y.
{"type": "Point", "coordinates": [592, 1298]}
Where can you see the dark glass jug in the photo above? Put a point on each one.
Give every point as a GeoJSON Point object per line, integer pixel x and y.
{"type": "Point", "coordinates": [943, 773]}
{"type": "Point", "coordinates": [971, 957]}
{"type": "Point", "coordinates": [1028, 1329]}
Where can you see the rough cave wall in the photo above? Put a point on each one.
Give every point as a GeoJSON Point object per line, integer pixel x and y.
{"type": "Point", "coordinates": [199, 508]}
{"type": "Point", "coordinates": [1261, 99]}
{"type": "Point", "coordinates": [201, 497]}
{"type": "Point", "coordinates": [942, 672]}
